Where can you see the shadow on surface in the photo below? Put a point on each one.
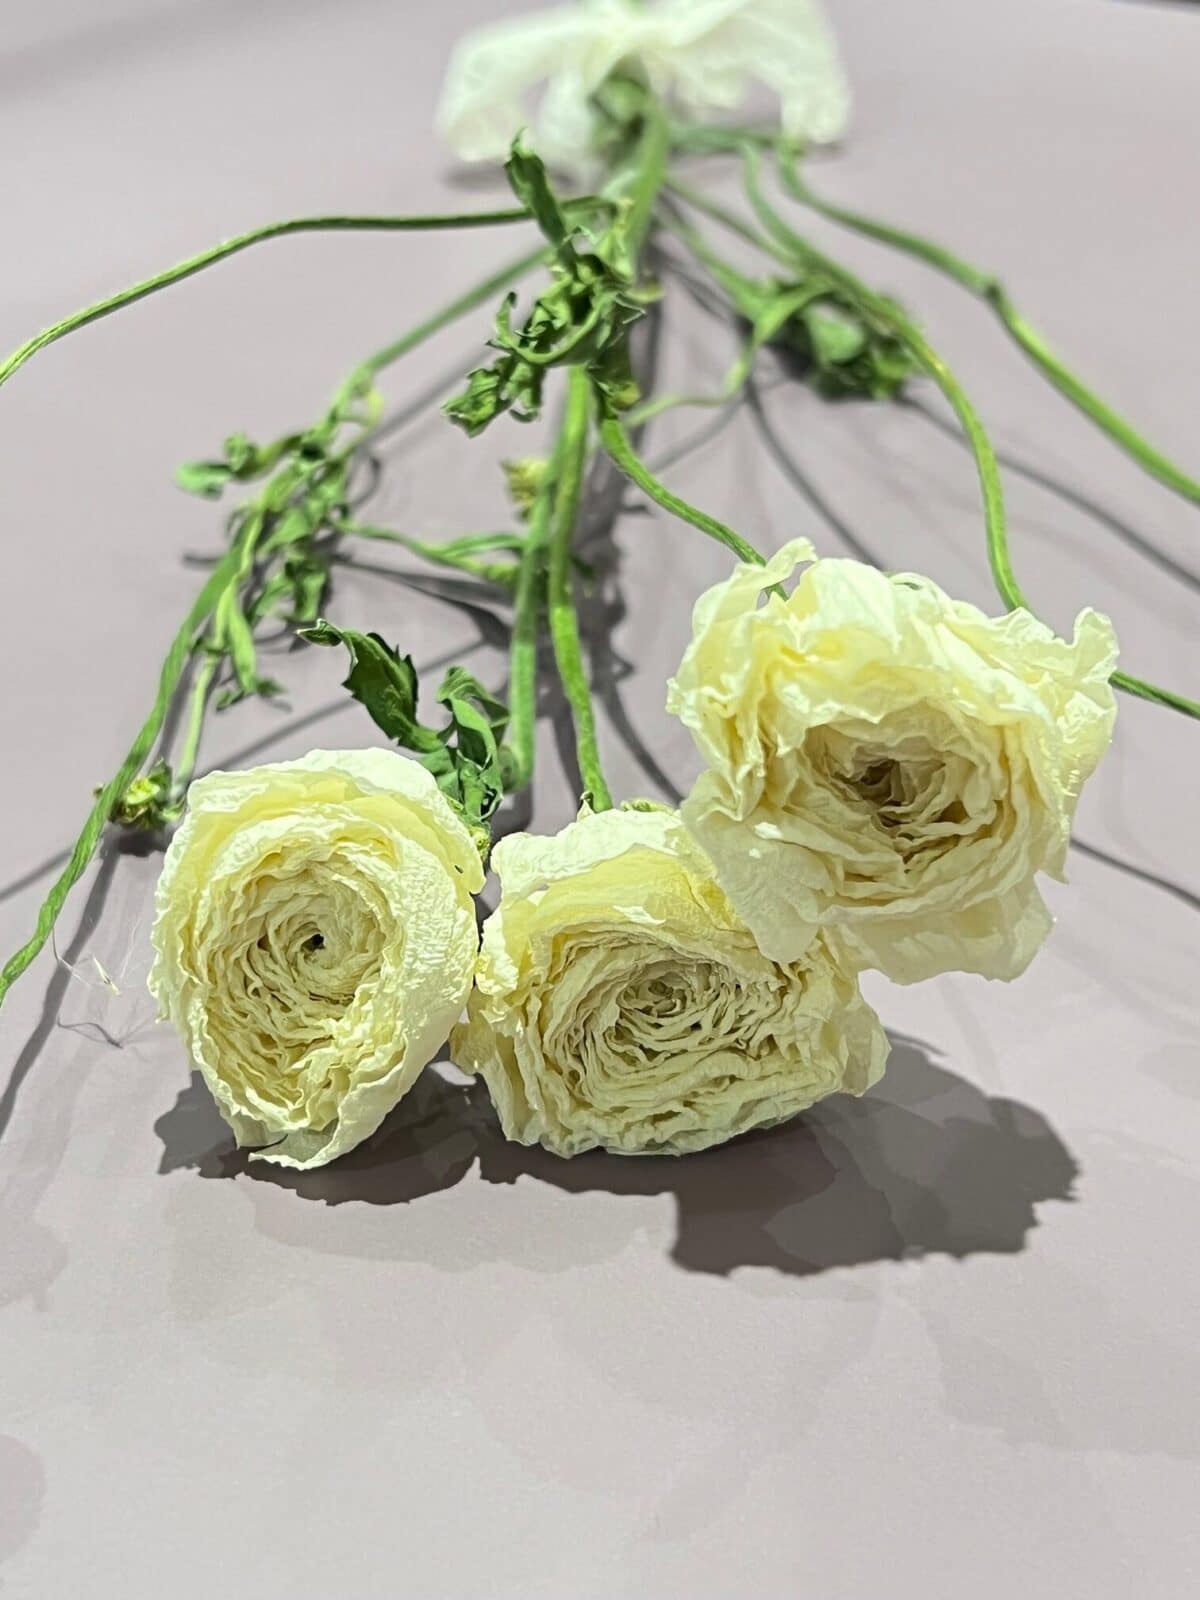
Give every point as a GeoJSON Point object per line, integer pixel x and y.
{"type": "Point", "coordinates": [1156, 880]}
{"type": "Point", "coordinates": [926, 1164]}
{"type": "Point", "coordinates": [1069, 495]}
{"type": "Point", "coordinates": [89, 920]}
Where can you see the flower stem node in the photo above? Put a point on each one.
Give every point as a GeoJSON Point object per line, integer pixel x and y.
{"type": "Point", "coordinates": [150, 803]}
{"type": "Point", "coordinates": [524, 478]}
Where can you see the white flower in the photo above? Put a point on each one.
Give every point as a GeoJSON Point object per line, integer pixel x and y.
{"type": "Point", "coordinates": [888, 764]}
{"type": "Point", "coordinates": [540, 70]}
{"type": "Point", "coordinates": [315, 938]}
{"type": "Point", "coordinates": [621, 1003]}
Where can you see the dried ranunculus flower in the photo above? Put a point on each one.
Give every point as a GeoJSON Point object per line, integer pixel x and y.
{"type": "Point", "coordinates": [541, 70]}
{"type": "Point", "coordinates": [620, 1002]}
{"type": "Point", "coordinates": [888, 765]}
{"type": "Point", "coordinates": [315, 938]}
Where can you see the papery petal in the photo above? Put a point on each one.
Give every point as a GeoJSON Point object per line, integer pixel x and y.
{"type": "Point", "coordinates": [315, 940]}
{"type": "Point", "coordinates": [539, 71]}
{"type": "Point", "coordinates": [620, 1002]}
{"type": "Point", "coordinates": [888, 765]}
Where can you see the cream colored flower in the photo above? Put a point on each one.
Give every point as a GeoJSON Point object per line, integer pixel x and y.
{"type": "Point", "coordinates": [541, 70]}
{"type": "Point", "coordinates": [620, 1002]}
{"type": "Point", "coordinates": [888, 764]}
{"type": "Point", "coordinates": [315, 938]}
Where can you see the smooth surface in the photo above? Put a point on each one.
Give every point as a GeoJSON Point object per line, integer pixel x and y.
{"type": "Point", "coordinates": [937, 1343]}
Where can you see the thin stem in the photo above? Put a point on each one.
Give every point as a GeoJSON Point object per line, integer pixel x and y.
{"type": "Point", "coordinates": [988, 289]}
{"type": "Point", "coordinates": [728, 220]}
{"type": "Point", "coordinates": [619, 446]}
{"type": "Point", "coordinates": [85, 846]}
{"type": "Point", "coordinates": [222, 576]}
{"type": "Point", "coordinates": [243, 241]}
{"type": "Point", "coordinates": [649, 409]}
{"type": "Point", "coordinates": [554, 510]}
{"type": "Point", "coordinates": [648, 173]}
{"type": "Point", "coordinates": [523, 650]}
{"type": "Point", "coordinates": [560, 599]}
{"type": "Point", "coordinates": [986, 464]}
{"type": "Point", "coordinates": [492, 285]}
{"type": "Point", "coordinates": [501, 572]}
{"type": "Point", "coordinates": [185, 767]}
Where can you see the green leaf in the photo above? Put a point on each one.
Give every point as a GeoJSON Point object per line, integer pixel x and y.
{"type": "Point", "coordinates": [836, 339]}
{"type": "Point", "coordinates": [480, 402]}
{"type": "Point", "coordinates": [528, 180]}
{"type": "Point", "coordinates": [466, 757]}
{"type": "Point", "coordinates": [149, 802]}
{"type": "Point", "coordinates": [382, 680]}
{"type": "Point", "coordinates": [581, 319]}
{"type": "Point", "coordinates": [206, 478]}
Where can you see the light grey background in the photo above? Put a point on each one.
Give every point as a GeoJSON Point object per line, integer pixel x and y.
{"type": "Point", "coordinates": [940, 1342]}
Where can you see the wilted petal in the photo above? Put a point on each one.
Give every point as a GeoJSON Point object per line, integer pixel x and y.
{"type": "Point", "coordinates": [887, 765]}
{"type": "Point", "coordinates": [315, 939]}
{"type": "Point", "coordinates": [621, 1003]}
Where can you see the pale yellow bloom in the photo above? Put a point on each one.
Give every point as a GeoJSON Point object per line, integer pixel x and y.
{"type": "Point", "coordinates": [540, 70]}
{"type": "Point", "coordinates": [315, 938]}
{"type": "Point", "coordinates": [887, 764]}
{"type": "Point", "coordinates": [621, 1003]}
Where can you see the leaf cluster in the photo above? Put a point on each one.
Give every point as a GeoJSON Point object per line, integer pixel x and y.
{"type": "Point", "coordinates": [581, 319]}
{"type": "Point", "coordinates": [466, 755]}
{"type": "Point", "coordinates": [839, 346]}
{"type": "Point", "coordinates": [285, 570]}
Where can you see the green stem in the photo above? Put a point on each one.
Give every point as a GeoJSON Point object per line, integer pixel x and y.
{"type": "Point", "coordinates": [730, 221]}
{"type": "Point", "coordinates": [502, 572]}
{"type": "Point", "coordinates": [554, 508]}
{"type": "Point", "coordinates": [207, 601]}
{"type": "Point", "coordinates": [185, 767]}
{"type": "Point", "coordinates": [646, 174]}
{"type": "Point", "coordinates": [987, 467]}
{"type": "Point", "coordinates": [243, 241]}
{"type": "Point", "coordinates": [85, 846]}
{"type": "Point", "coordinates": [649, 409]}
{"type": "Point", "coordinates": [491, 286]}
{"type": "Point", "coordinates": [560, 598]}
{"type": "Point", "coordinates": [619, 446]}
{"type": "Point", "coordinates": [988, 289]}
{"type": "Point", "coordinates": [523, 650]}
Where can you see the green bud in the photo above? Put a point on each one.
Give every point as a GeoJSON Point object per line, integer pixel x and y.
{"type": "Point", "coordinates": [524, 480]}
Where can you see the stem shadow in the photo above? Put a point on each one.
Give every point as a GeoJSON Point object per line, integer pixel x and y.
{"type": "Point", "coordinates": [1071, 496]}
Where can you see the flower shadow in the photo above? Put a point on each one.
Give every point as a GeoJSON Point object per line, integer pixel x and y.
{"type": "Point", "coordinates": [926, 1164]}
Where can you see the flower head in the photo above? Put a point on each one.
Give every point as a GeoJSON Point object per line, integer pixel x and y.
{"type": "Point", "coordinates": [620, 1002]}
{"type": "Point", "coordinates": [887, 764]}
{"type": "Point", "coordinates": [315, 937]}
{"type": "Point", "coordinates": [541, 70]}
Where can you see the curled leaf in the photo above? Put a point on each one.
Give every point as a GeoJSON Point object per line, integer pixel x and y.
{"type": "Point", "coordinates": [467, 756]}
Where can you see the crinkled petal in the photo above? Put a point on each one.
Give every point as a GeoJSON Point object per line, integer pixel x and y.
{"type": "Point", "coordinates": [620, 1002]}
{"type": "Point", "coordinates": [539, 71]}
{"type": "Point", "coordinates": [887, 765]}
{"type": "Point", "coordinates": [315, 939]}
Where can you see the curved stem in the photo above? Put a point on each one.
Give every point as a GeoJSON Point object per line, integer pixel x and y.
{"type": "Point", "coordinates": [455, 555]}
{"type": "Point", "coordinates": [85, 846]}
{"type": "Point", "coordinates": [222, 576]}
{"type": "Point", "coordinates": [492, 285]}
{"type": "Point", "coordinates": [988, 289]}
{"type": "Point", "coordinates": [619, 446]}
{"type": "Point", "coordinates": [560, 600]}
{"type": "Point", "coordinates": [730, 221]}
{"type": "Point", "coordinates": [243, 241]}
{"type": "Point", "coordinates": [987, 467]}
